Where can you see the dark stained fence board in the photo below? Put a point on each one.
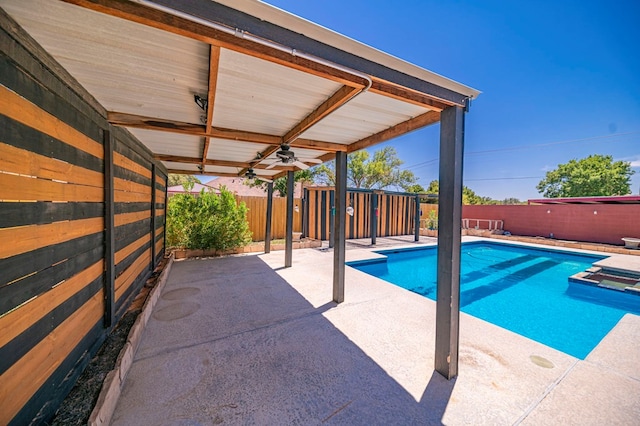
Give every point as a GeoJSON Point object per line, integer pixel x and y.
{"type": "Point", "coordinates": [124, 173]}
{"type": "Point", "coordinates": [121, 146]}
{"type": "Point", "coordinates": [38, 213]}
{"type": "Point", "coordinates": [131, 280]}
{"type": "Point", "coordinates": [22, 136]}
{"type": "Point", "coordinates": [45, 401]}
{"type": "Point", "coordinates": [23, 343]}
{"type": "Point", "coordinates": [15, 294]}
{"type": "Point", "coordinates": [127, 261]}
{"type": "Point", "coordinates": [121, 208]}
{"type": "Point", "coordinates": [126, 234]}
{"type": "Point", "coordinates": [34, 261]}
{"type": "Point", "coordinates": [82, 119]}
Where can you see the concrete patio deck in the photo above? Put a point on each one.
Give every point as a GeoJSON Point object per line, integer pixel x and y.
{"type": "Point", "coordinates": [242, 340]}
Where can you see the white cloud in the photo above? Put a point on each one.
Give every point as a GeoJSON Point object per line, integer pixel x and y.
{"type": "Point", "coordinates": [634, 160]}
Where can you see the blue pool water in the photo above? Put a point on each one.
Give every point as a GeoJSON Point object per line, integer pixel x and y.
{"type": "Point", "coordinates": [522, 289]}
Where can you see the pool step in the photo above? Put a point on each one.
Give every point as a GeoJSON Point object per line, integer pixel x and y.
{"type": "Point", "coordinates": [605, 278]}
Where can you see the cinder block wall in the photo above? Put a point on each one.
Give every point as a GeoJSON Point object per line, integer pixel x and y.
{"type": "Point", "coordinates": [597, 223]}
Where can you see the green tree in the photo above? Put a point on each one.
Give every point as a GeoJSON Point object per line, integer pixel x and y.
{"type": "Point", "coordinates": [511, 200]}
{"type": "Point", "coordinates": [175, 179]}
{"type": "Point", "coordinates": [363, 171]}
{"type": "Point", "coordinates": [415, 188]}
{"type": "Point", "coordinates": [468, 195]}
{"type": "Point", "coordinates": [595, 175]}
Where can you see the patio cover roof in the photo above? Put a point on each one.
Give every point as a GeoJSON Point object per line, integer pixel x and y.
{"type": "Point", "coordinates": [264, 77]}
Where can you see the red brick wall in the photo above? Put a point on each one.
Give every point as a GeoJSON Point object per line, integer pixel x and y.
{"type": "Point", "coordinates": [567, 222]}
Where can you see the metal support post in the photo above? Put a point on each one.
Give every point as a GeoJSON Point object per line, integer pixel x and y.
{"type": "Point", "coordinates": [288, 245]}
{"type": "Point", "coordinates": [449, 222]}
{"type": "Point", "coordinates": [340, 227]}
{"type": "Point", "coordinates": [267, 230]}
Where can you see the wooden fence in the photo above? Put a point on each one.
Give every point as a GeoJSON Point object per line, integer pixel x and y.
{"type": "Point", "coordinates": [257, 216]}
{"type": "Point", "coordinates": [82, 208]}
{"type": "Point", "coordinates": [395, 213]}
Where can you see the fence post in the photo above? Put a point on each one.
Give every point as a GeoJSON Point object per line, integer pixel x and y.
{"type": "Point", "coordinates": [267, 230]}
{"type": "Point", "coordinates": [109, 237]}
{"type": "Point", "coordinates": [417, 219]}
{"type": "Point", "coordinates": [305, 213]}
{"type": "Point", "coordinates": [332, 217]}
{"type": "Point", "coordinates": [153, 216]}
{"type": "Point", "coordinates": [374, 217]}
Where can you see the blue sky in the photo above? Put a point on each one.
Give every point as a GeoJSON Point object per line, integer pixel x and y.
{"type": "Point", "coordinates": [560, 79]}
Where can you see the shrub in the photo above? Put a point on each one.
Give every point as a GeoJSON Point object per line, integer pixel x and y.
{"type": "Point", "coordinates": [207, 221]}
{"type": "Point", "coordinates": [432, 221]}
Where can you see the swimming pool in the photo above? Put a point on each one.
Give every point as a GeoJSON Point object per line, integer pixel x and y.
{"type": "Point", "coordinates": [523, 289]}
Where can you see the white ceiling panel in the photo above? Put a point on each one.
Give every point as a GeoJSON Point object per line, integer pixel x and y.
{"type": "Point", "coordinates": [260, 96]}
{"type": "Point", "coordinates": [127, 67]}
{"type": "Point", "coordinates": [365, 115]}
{"type": "Point", "coordinates": [170, 165]}
{"type": "Point", "coordinates": [231, 150]}
{"type": "Point", "coordinates": [165, 143]}
{"type": "Point", "coordinates": [222, 169]}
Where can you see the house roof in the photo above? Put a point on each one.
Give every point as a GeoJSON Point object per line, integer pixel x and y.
{"type": "Point", "coordinates": [216, 87]}
{"type": "Point", "coordinates": [237, 186]}
{"type": "Point", "coordinates": [180, 189]}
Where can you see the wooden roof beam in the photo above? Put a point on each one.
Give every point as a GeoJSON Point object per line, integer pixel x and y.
{"type": "Point", "coordinates": [335, 101]}
{"type": "Point", "coordinates": [208, 162]}
{"type": "Point", "coordinates": [405, 94]}
{"type": "Point", "coordinates": [214, 63]}
{"type": "Point", "coordinates": [410, 125]}
{"type": "Point", "coordinates": [181, 127]}
{"type": "Point", "coordinates": [191, 172]}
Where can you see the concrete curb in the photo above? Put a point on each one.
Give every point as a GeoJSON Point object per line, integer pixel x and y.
{"type": "Point", "coordinates": [112, 385]}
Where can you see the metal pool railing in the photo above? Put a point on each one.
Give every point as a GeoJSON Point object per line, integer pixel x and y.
{"type": "Point", "coordinates": [492, 224]}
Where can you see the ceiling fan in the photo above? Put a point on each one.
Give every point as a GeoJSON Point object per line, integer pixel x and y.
{"type": "Point", "coordinates": [251, 174]}
{"type": "Point", "coordinates": [286, 157]}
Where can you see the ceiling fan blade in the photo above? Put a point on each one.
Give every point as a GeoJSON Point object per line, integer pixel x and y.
{"type": "Point", "coordinates": [300, 165]}
{"type": "Point", "coordinates": [272, 165]}
{"type": "Point", "coordinates": [264, 179]}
